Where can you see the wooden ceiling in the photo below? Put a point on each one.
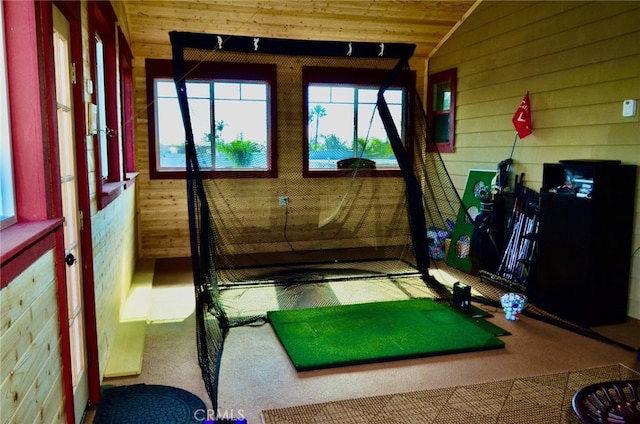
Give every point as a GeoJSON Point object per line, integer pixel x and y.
{"type": "Point", "coordinates": [422, 22]}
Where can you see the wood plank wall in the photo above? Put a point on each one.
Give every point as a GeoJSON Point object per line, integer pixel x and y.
{"type": "Point", "coordinates": [579, 60]}
{"type": "Point", "coordinates": [114, 258]}
{"type": "Point", "coordinates": [30, 361]}
{"type": "Point", "coordinates": [251, 210]}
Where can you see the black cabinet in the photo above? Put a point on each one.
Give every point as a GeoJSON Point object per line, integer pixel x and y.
{"type": "Point", "coordinates": [584, 241]}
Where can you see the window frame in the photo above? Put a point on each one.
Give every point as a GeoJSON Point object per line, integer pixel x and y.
{"type": "Point", "coordinates": [103, 23]}
{"type": "Point", "coordinates": [7, 190]}
{"type": "Point", "coordinates": [209, 71]}
{"type": "Point", "coordinates": [356, 77]}
{"type": "Point", "coordinates": [127, 114]}
{"type": "Point", "coordinates": [448, 76]}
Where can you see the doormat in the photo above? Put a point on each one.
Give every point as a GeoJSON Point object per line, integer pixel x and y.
{"type": "Point", "coordinates": [143, 404]}
{"type": "Point", "coordinates": [334, 336]}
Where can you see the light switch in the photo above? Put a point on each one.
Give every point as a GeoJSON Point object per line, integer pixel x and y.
{"type": "Point", "coordinates": [629, 108]}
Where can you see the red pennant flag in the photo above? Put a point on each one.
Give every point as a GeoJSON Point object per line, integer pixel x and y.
{"type": "Point", "coordinates": [522, 119]}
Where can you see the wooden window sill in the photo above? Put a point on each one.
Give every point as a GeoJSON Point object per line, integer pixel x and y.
{"type": "Point", "coordinates": [22, 244]}
{"type": "Point", "coordinates": [110, 192]}
{"type": "Point", "coordinates": [130, 179]}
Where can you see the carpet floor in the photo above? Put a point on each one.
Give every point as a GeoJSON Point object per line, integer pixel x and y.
{"type": "Point", "coordinates": [256, 374]}
{"type": "Point", "coordinates": [544, 399]}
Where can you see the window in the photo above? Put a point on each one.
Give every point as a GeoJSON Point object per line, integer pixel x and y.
{"type": "Point", "coordinates": [7, 199]}
{"type": "Point", "coordinates": [29, 223]}
{"type": "Point", "coordinates": [232, 116]}
{"type": "Point", "coordinates": [441, 99]}
{"type": "Point", "coordinates": [104, 132]}
{"type": "Point", "coordinates": [114, 117]}
{"type": "Point", "coordinates": [127, 131]}
{"type": "Point", "coordinates": [343, 120]}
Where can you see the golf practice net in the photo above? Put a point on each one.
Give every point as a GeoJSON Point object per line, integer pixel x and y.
{"type": "Point", "coordinates": [307, 162]}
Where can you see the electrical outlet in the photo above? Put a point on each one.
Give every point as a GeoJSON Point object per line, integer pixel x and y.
{"type": "Point", "coordinates": [283, 200]}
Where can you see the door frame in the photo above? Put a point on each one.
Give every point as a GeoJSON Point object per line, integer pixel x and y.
{"type": "Point", "coordinates": [72, 11]}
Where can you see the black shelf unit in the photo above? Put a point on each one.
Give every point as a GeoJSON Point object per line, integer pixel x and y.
{"type": "Point", "coordinates": [584, 241]}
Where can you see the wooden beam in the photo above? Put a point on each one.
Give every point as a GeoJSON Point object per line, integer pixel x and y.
{"type": "Point", "coordinates": [454, 28]}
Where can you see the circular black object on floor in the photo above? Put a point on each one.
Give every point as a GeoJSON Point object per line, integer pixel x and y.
{"type": "Point", "coordinates": [143, 403]}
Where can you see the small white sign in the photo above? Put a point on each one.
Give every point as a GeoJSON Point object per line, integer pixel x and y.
{"type": "Point", "coordinates": [629, 108]}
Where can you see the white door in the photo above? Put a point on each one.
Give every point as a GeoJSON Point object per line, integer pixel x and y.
{"type": "Point", "coordinates": [70, 210]}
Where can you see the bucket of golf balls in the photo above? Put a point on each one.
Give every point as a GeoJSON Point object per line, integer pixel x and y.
{"type": "Point", "coordinates": [513, 304]}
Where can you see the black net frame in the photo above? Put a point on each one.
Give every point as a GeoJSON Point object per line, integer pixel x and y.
{"type": "Point", "coordinates": [430, 196]}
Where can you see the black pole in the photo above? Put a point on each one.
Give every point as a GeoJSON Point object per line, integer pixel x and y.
{"type": "Point", "coordinates": [417, 223]}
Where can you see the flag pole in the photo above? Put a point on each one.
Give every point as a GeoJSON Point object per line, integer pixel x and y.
{"type": "Point", "coordinates": [512, 149]}
{"type": "Point", "coordinates": [522, 121]}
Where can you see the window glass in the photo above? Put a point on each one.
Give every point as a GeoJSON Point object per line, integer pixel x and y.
{"type": "Point", "coordinates": [165, 88]}
{"type": "Point", "coordinates": [441, 128]}
{"type": "Point", "coordinates": [103, 130]}
{"type": "Point", "coordinates": [197, 90]}
{"type": "Point", "coordinates": [229, 121]}
{"type": "Point", "coordinates": [170, 132]}
{"type": "Point", "coordinates": [343, 122]}
{"type": "Point", "coordinates": [240, 125]}
{"type": "Point", "coordinates": [442, 96]}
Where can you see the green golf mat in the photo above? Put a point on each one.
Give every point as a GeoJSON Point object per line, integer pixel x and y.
{"type": "Point", "coordinates": [336, 336]}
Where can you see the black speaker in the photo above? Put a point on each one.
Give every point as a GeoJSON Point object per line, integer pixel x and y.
{"type": "Point", "coordinates": [461, 297]}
